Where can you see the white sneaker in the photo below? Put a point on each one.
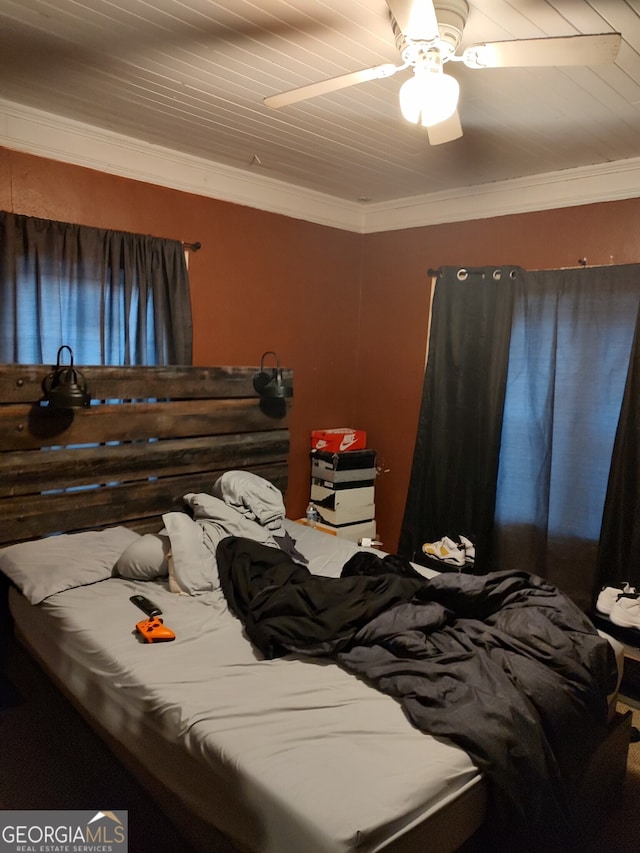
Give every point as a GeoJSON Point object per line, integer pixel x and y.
{"type": "Point", "coordinates": [446, 550]}
{"type": "Point", "coordinates": [626, 611]}
{"type": "Point", "coordinates": [609, 595]}
{"type": "Point", "coordinates": [468, 548]}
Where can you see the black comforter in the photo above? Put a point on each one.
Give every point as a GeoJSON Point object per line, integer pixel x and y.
{"type": "Point", "coordinates": [504, 665]}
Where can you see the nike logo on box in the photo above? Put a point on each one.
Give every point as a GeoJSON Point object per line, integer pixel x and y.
{"type": "Point", "coordinates": [338, 440]}
{"type": "Point", "coordinates": [347, 441]}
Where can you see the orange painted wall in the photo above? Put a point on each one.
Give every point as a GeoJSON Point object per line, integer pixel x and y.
{"type": "Point", "coordinates": [396, 295]}
{"type": "Point", "coordinates": [260, 282]}
{"type": "Point", "coordinates": [349, 313]}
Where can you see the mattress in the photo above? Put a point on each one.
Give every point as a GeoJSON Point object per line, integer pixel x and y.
{"type": "Point", "coordinates": [280, 755]}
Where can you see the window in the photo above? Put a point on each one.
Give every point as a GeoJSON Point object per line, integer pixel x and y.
{"type": "Point", "coordinates": [568, 360]}
{"type": "Point", "coordinates": [113, 297]}
{"type": "Point", "coordinates": [521, 421]}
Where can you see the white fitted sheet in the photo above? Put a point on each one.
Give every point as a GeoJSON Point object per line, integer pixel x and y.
{"type": "Point", "coordinates": [281, 755]}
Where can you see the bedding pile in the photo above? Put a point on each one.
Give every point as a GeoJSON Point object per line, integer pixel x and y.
{"type": "Point", "coordinates": [504, 665]}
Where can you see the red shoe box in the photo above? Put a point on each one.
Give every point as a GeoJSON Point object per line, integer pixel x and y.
{"type": "Point", "coordinates": [338, 440]}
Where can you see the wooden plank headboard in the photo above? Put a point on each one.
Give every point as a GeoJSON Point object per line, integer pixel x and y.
{"type": "Point", "coordinates": [154, 434]}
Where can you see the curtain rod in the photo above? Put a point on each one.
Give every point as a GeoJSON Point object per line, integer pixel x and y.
{"type": "Point", "coordinates": [581, 264]}
{"type": "Point", "coordinates": [193, 246]}
{"type": "Point", "coordinates": [464, 273]}
{"type": "Point", "coordinates": [465, 270]}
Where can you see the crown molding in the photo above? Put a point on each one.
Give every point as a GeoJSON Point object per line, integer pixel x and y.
{"type": "Point", "coordinates": [566, 188]}
{"type": "Point", "coordinates": [55, 137]}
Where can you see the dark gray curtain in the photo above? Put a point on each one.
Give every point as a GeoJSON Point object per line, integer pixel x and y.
{"type": "Point", "coordinates": [453, 481]}
{"type": "Point", "coordinates": [114, 297]}
{"type": "Point", "coordinates": [522, 398]}
{"type": "Point", "coordinates": [571, 340]}
{"type": "Point", "coordinates": [619, 547]}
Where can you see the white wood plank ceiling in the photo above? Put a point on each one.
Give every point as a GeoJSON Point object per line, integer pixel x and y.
{"type": "Point", "coordinates": [190, 75]}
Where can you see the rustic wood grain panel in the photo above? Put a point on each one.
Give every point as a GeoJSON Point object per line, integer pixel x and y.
{"type": "Point", "coordinates": [32, 471]}
{"type": "Point", "coordinates": [162, 432]}
{"type": "Point", "coordinates": [44, 514]}
{"type": "Point", "coordinates": [22, 383]}
{"type": "Point", "coordinates": [24, 427]}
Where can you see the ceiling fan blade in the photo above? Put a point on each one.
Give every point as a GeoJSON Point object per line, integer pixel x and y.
{"type": "Point", "coordinates": [416, 18]}
{"type": "Point", "coordinates": [446, 131]}
{"type": "Point", "coordinates": [559, 50]}
{"type": "Point", "coordinates": [332, 84]}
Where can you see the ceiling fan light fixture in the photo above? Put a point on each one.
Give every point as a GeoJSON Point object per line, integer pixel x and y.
{"type": "Point", "coordinates": [429, 97]}
{"type": "Point", "coordinates": [428, 34]}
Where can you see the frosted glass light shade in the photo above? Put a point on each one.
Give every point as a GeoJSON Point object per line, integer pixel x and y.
{"type": "Point", "coordinates": [429, 97]}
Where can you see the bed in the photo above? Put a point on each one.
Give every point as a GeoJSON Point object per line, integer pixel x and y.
{"type": "Point", "coordinates": [258, 752]}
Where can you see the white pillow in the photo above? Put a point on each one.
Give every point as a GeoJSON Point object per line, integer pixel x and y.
{"type": "Point", "coordinates": [146, 558]}
{"type": "Point", "coordinates": [194, 567]}
{"type": "Point", "coordinates": [44, 567]}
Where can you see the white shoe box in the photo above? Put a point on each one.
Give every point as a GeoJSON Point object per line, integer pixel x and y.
{"type": "Point", "coordinates": [352, 532]}
{"type": "Point", "coordinates": [356, 532]}
{"type": "Point", "coordinates": [346, 515]}
{"type": "Point", "coordinates": [349, 467]}
{"type": "Point", "coordinates": [321, 471]}
{"type": "Point", "coordinates": [337, 499]}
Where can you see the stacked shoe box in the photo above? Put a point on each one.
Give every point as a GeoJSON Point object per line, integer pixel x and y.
{"type": "Point", "coordinates": [343, 492]}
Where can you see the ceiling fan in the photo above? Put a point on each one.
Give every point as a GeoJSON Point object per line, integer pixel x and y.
{"type": "Point", "coordinates": [428, 34]}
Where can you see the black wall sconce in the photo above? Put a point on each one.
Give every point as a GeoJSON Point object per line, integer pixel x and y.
{"type": "Point", "coordinates": [65, 387]}
{"type": "Point", "coordinates": [273, 388]}
{"type": "Point", "coordinates": [271, 385]}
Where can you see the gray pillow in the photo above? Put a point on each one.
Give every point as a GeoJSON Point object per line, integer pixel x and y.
{"type": "Point", "coordinates": [146, 558]}
{"type": "Point", "coordinates": [195, 569]}
{"type": "Point", "coordinates": [46, 566]}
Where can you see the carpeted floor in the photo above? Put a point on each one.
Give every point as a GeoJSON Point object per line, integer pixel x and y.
{"type": "Point", "coordinates": [621, 834]}
{"type": "Point", "coordinates": [50, 758]}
